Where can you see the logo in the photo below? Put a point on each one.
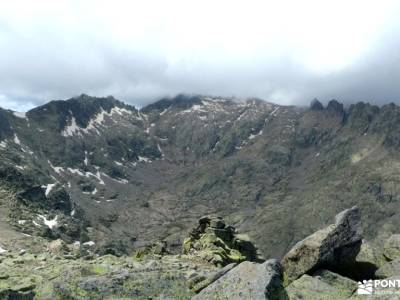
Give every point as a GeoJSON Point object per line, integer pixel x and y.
{"type": "Point", "coordinates": [379, 287]}
{"type": "Point", "coordinates": [365, 287]}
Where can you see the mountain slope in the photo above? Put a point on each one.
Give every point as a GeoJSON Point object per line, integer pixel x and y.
{"type": "Point", "coordinates": [97, 169]}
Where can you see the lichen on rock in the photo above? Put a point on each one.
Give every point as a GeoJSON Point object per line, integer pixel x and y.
{"type": "Point", "coordinates": [212, 240]}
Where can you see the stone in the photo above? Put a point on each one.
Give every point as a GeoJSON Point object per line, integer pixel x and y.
{"type": "Point", "coordinates": [248, 280]}
{"type": "Point", "coordinates": [217, 223]}
{"type": "Point", "coordinates": [331, 247]}
{"type": "Point", "coordinates": [57, 247]}
{"type": "Point", "coordinates": [391, 248]}
{"type": "Point", "coordinates": [199, 282]}
{"type": "Point", "coordinates": [312, 288]}
{"type": "Point", "coordinates": [369, 254]}
{"type": "Point", "coordinates": [345, 285]}
{"type": "Point", "coordinates": [160, 248]}
{"type": "Point", "coordinates": [391, 268]}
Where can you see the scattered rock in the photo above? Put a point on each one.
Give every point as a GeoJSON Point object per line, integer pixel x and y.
{"type": "Point", "coordinates": [248, 280]}
{"type": "Point", "coordinates": [332, 247]}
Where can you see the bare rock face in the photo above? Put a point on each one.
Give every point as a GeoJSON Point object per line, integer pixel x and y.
{"type": "Point", "coordinates": [248, 281]}
{"type": "Point", "coordinates": [213, 241]}
{"type": "Point", "coordinates": [331, 247]}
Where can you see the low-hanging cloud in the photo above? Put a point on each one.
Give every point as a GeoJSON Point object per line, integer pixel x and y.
{"type": "Point", "coordinates": [282, 51]}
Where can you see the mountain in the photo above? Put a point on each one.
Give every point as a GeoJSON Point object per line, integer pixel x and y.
{"type": "Point", "coordinates": [97, 170]}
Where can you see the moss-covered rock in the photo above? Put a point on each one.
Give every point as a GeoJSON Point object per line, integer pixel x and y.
{"type": "Point", "coordinates": [219, 244]}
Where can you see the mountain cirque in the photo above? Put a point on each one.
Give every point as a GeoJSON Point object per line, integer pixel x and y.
{"type": "Point", "coordinates": [98, 171]}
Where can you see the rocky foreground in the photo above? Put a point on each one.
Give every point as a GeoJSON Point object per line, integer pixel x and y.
{"type": "Point", "coordinates": [216, 263]}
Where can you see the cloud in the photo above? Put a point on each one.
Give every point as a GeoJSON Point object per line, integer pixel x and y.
{"type": "Point", "coordinates": [282, 51]}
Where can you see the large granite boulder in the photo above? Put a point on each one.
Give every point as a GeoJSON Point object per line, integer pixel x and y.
{"type": "Point", "coordinates": [213, 241]}
{"type": "Point", "coordinates": [332, 247]}
{"type": "Point", "coordinates": [248, 280]}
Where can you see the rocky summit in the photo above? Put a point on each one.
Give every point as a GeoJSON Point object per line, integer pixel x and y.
{"type": "Point", "coordinates": [196, 188]}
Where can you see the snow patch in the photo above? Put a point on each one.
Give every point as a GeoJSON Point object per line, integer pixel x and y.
{"type": "Point", "coordinates": [18, 114]}
{"type": "Point", "coordinates": [71, 129]}
{"type": "Point", "coordinates": [163, 112]}
{"type": "Point", "coordinates": [58, 170]}
{"type": "Point", "coordinates": [87, 174]}
{"type": "Point", "coordinates": [144, 159]}
{"type": "Point", "coordinates": [159, 149]}
{"type": "Point", "coordinates": [3, 144]}
{"type": "Point", "coordinates": [49, 223]}
{"type": "Point", "coordinates": [90, 243]}
{"type": "Point", "coordinates": [16, 140]}
{"type": "Point", "coordinates": [2, 250]}
{"type": "Point", "coordinates": [86, 161]}
{"type": "Point", "coordinates": [49, 187]}
{"type": "Point", "coordinates": [194, 108]}
{"type": "Point", "coordinates": [123, 181]}
{"type": "Point", "coordinates": [21, 222]}
{"type": "Point", "coordinates": [252, 136]}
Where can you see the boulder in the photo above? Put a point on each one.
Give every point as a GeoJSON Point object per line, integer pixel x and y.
{"type": "Point", "coordinates": [391, 249]}
{"type": "Point", "coordinates": [389, 269]}
{"type": "Point", "coordinates": [369, 254]}
{"type": "Point", "coordinates": [332, 247]}
{"type": "Point", "coordinates": [215, 242]}
{"type": "Point", "coordinates": [248, 280]}
{"type": "Point", "coordinates": [345, 286]}
{"type": "Point", "coordinates": [57, 247]}
{"type": "Point", "coordinates": [199, 282]}
{"type": "Point", "coordinates": [160, 248]}
{"type": "Point", "coordinates": [313, 288]}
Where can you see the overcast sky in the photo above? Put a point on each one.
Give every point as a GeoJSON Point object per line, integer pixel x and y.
{"type": "Point", "coordinates": [282, 51]}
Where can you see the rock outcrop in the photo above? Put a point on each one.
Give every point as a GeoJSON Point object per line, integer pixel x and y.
{"type": "Point", "coordinates": [215, 242]}
{"type": "Point", "coordinates": [248, 281]}
{"type": "Point", "coordinates": [331, 247]}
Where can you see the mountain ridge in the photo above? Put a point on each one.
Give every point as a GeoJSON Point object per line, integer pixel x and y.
{"type": "Point", "coordinates": [125, 178]}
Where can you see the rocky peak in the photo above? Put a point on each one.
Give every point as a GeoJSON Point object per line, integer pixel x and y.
{"type": "Point", "coordinates": [316, 105]}
{"type": "Point", "coordinates": [335, 106]}
{"type": "Point", "coordinates": [82, 109]}
{"type": "Point", "coordinates": [181, 101]}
